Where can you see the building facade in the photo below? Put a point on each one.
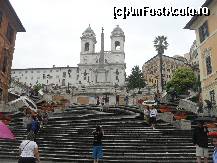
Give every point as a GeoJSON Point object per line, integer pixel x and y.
{"type": "Point", "coordinates": [97, 71]}
{"type": "Point", "coordinates": [192, 57]}
{"type": "Point", "coordinates": [151, 69]}
{"type": "Point", "coordinates": [10, 24]}
{"type": "Point", "coordinates": [206, 28]}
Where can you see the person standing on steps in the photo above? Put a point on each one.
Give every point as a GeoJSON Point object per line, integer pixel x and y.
{"type": "Point", "coordinates": [146, 113]}
{"type": "Point", "coordinates": [28, 150]}
{"type": "Point", "coordinates": [214, 155]}
{"type": "Point", "coordinates": [126, 99]}
{"type": "Point", "coordinates": [152, 116]}
{"type": "Point", "coordinates": [117, 100]}
{"type": "Point", "coordinates": [200, 140]}
{"type": "Point", "coordinates": [97, 144]}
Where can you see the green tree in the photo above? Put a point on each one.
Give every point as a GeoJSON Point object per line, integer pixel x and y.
{"type": "Point", "coordinates": [135, 79]}
{"type": "Point", "coordinates": [161, 44]}
{"type": "Point", "coordinates": [37, 87]}
{"type": "Point", "coordinates": [182, 80]}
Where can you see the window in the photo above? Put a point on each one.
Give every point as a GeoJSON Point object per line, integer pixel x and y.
{"type": "Point", "coordinates": [64, 74]}
{"type": "Point", "coordinates": [1, 16]}
{"type": "Point", "coordinates": [44, 76]}
{"type": "Point", "coordinates": [117, 45]}
{"type": "Point", "coordinates": [212, 97]}
{"type": "Point", "coordinates": [63, 82]}
{"type": "Point", "coordinates": [203, 31]}
{"type": "Point", "coordinates": [5, 61]}
{"type": "Point", "coordinates": [86, 46]}
{"type": "Point", "coordinates": [10, 33]}
{"type": "Point", "coordinates": [208, 65]}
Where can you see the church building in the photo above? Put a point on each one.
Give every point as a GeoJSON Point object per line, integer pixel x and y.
{"type": "Point", "coordinates": [97, 71]}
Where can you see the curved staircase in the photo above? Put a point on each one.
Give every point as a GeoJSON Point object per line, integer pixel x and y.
{"type": "Point", "coordinates": [68, 138]}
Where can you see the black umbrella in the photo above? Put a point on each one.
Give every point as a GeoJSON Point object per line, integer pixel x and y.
{"type": "Point", "coordinates": [205, 119]}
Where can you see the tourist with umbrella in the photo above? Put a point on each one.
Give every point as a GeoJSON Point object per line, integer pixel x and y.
{"type": "Point", "coordinates": [200, 140]}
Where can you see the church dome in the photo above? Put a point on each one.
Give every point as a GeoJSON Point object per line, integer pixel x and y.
{"type": "Point", "coordinates": [117, 31]}
{"type": "Point", "coordinates": [89, 33]}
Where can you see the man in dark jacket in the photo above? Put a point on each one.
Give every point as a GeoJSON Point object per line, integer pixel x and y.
{"type": "Point", "coordinates": [200, 140]}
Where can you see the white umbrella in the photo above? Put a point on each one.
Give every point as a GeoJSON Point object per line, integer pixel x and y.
{"type": "Point", "coordinates": [23, 101]}
{"type": "Point", "coordinates": [149, 103]}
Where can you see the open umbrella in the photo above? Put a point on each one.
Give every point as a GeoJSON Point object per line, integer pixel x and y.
{"type": "Point", "coordinates": [205, 119]}
{"type": "Point", "coordinates": [5, 132]}
{"type": "Point", "coordinates": [149, 103]}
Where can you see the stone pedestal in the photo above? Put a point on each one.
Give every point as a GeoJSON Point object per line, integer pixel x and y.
{"type": "Point", "coordinates": [182, 124]}
{"type": "Point", "coordinates": [167, 117]}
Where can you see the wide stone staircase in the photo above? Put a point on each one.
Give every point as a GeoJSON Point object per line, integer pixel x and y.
{"type": "Point", "coordinates": [68, 138]}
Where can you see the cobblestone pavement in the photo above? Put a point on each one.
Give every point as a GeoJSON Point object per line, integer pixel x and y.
{"type": "Point", "coordinates": [15, 161]}
{"type": "Point", "coordinates": [7, 161]}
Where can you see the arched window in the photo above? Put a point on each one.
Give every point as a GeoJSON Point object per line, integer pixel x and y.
{"type": "Point", "coordinates": [86, 47]}
{"type": "Point", "coordinates": [117, 45]}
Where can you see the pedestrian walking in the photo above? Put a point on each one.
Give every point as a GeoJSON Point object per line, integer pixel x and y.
{"type": "Point", "coordinates": [152, 116]}
{"type": "Point", "coordinates": [107, 102]}
{"type": "Point", "coordinates": [126, 99]}
{"type": "Point", "coordinates": [146, 114]}
{"type": "Point", "coordinates": [28, 150]}
{"type": "Point", "coordinates": [214, 155]}
{"type": "Point", "coordinates": [35, 127]}
{"type": "Point", "coordinates": [27, 122]}
{"type": "Point", "coordinates": [97, 144]}
{"type": "Point", "coordinates": [45, 118]}
{"type": "Point", "coordinates": [117, 100]}
{"type": "Point", "coordinates": [200, 140]}
{"type": "Point", "coordinates": [97, 100]}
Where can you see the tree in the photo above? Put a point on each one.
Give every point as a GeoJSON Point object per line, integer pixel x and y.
{"type": "Point", "coordinates": [161, 44]}
{"type": "Point", "coordinates": [182, 80]}
{"type": "Point", "coordinates": [37, 87]}
{"type": "Point", "coordinates": [135, 79]}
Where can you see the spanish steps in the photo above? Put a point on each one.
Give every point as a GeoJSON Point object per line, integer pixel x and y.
{"type": "Point", "coordinates": [68, 138]}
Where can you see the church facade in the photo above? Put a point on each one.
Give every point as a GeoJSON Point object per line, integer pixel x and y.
{"type": "Point", "coordinates": [97, 71]}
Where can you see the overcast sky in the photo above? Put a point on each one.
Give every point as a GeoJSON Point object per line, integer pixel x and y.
{"type": "Point", "coordinates": [54, 27]}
